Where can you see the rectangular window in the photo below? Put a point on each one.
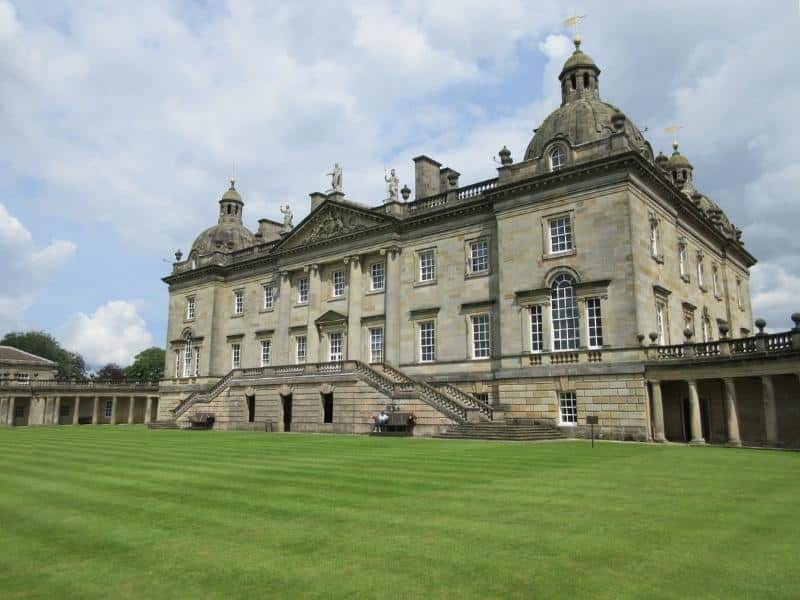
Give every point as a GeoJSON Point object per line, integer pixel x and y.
{"type": "Point", "coordinates": [427, 265]}
{"type": "Point", "coordinates": [302, 290]}
{"type": "Point", "coordinates": [594, 322]}
{"type": "Point", "coordinates": [560, 234]}
{"type": "Point", "coordinates": [376, 344]}
{"type": "Point", "coordinates": [377, 276]}
{"type": "Point", "coordinates": [700, 272]}
{"type": "Point", "coordinates": [196, 362]}
{"type": "Point", "coordinates": [335, 354]}
{"type": "Point", "coordinates": [300, 349]}
{"type": "Point", "coordinates": [266, 351]}
{"type": "Point", "coordinates": [715, 280]}
{"type": "Point", "coordinates": [177, 364]}
{"type": "Point", "coordinates": [661, 324]}
{"type": "Point", "coordinates": [188, 355]}
{"type": "Point", "coordinates": [537, 332]}
{"type": "Point", "coordinates": [238, 302]}
{"type": "Point", "coordinates": [739, 296]}
{"type": "Point", "coordinates": [269, 296]}
{"type": "Point", "coordinates": [682, 259]}
{"type": "Point", "coordinates": [568, 408]}
{"type": "Point", "coordinates": [338, 284]}
{"type": "Point", "coordinates": [654, 241]}
{"type": "Point", "coordinates": [481, 336]}
{"type": "Point", "coordinates": [190, 308]}
{"type": "Point", "coordinates": [479, 256]}
{"type": "Point", "coordinates": [481, 397]}
{"type": "Point", "coordinates": [427, 341]}
{"type": "Point", "coordinates": [109, 409]}
{"type": "Point", "coordinates": [236, 356]}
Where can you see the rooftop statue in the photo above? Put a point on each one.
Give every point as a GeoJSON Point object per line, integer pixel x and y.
{"type": "Point", "coordinates": [287, 217]}
{"type": "Point", "coordinates": [392, 184]}
{"type": "Point", "coordinates": [336, 178]}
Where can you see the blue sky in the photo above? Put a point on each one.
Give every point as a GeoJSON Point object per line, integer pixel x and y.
{"type": "Point", "coordinates": [124, 122]}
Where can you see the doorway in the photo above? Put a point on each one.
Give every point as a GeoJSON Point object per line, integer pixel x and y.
{"type": "Point", "coordinates": [251, 409]}
{"type": "Point", "coordinates": [287, 412]}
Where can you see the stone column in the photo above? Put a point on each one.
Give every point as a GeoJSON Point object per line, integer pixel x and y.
{"type": "Point", "coordinates": [3, 410]}
{"type": "Point", "coordinates": [57, 411]}
{"type": "Point", "coordinates": [392, 307]}
{"type": "Point", "coordinates": [95, 407]}
{"type": "Point", "coordinates": [113, 410]}
{"type": "Point", "coordinates": [11, 402]}
{"type": "Point", "coordinates": [313, 353]}
{"type": "Point", "coordinates": [131, 406]}
{"type": "Point", "coordinates": [694, 414]}
{"type": "Point", "coordinates": [148, 409]}
{"type": "Point", "coordinates": [658, 412]}
{"type": "Point", "coordinates": [731, 418]}
{"type": "Point", "coordinates": [770, 412]}
{"type": "Point", "coordinates": [282, 337]}
{"type": "Point", "coordinates": [355, 295]}
{"type": "Point", "coordinates": [76, 411]}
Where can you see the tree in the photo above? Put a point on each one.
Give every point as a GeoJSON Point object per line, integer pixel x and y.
{"type": "Point", "coordinates": [110, 372]}
{"type": "Point", "coordinates": [70, 364]}
{"type": "Point", "coordinates": [148, 365]}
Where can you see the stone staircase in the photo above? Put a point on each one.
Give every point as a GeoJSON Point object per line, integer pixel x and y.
{"type": "Point", "coordinates": [162, 425]}
{"type": "Point", "coordinates": [502, 431]}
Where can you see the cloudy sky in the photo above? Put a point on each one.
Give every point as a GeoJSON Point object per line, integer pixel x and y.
{"type": "Point", "coordinates": [122, 122]}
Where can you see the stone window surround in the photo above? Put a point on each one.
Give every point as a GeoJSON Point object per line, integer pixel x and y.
{"type": "Point", "coordinates": [325, 332]}
{"type": "Point", "coordinates": [553, 147]}
{"type": "Point", "coordinates": [661, 298]}
{"type": "Point", "coordinates": [654, 237]}
{"type": "Point", "coordinates": [275, 293]}
{"type": "Point", "coordinates": [238, 293]}
{"type": "Point", "coordinates": [739, 294]}
{"type": "Point", "coordinates": [701, 283]}
{"type": "Point", "coordinates": [683, 259]}
{"type": "Point", "coordinates": [368, 323]}
{"type": "Point", "coordinates": [265, 335]}
{"type": "Point", "coordinates": [418, 317]}
{"type": "Point", "coordinates": [468, 272]}
{"type": "Point", "coordinates": [191, 308]}
{"type": "Point", "coordinates": [547, 254]}
{"type": "Point", "coordinates": [542, 297]}
{"type": "Point", "coordinates": [567, 406]}
{"type": "Point", "coordinates": [343, 295]}
{"type": "Point", "coordinates": [474, 309]}
{"type": "Point", "coordinates": [418, 281]}
{"type": "Point", "coordinates": [715, 283]}
{"type": "Point", "coordinates": [296, 286]}
{"type": "Point", "coordinates": [178, 346]}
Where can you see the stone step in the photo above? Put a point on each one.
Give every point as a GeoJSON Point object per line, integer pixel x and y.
{"type": "Point", "coordinates": [163, 425]}
{"type": "Point", "coordinates": [502, 431]}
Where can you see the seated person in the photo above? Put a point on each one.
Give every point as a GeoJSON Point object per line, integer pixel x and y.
{"type": "Point", "coordinates": [383, 419]}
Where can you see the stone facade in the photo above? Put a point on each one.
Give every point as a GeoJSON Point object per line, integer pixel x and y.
{"type": "Point", "coordinates": [534, 293]}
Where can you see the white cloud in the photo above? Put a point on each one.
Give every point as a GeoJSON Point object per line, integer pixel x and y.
{"type": "Point", "coordinates": [113, 333]}
{"type": "Point", "coordinates": [25, 269]}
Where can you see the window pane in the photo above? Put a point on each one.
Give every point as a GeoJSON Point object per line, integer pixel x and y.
{"type": "Point", "coordinates": [376, 344]}
{"type": "Point", "coordinates": [269, 297]}
{"type": "Point", "coordinates": [300, 342]}
{"type": "Point", "coordinates": [266, 351]}
{"type": "Point", "coordinates": [537, 334]}
{"type": "Point", "coordinates": [302, 291]}
{"type": "Point", "coordinates": [336, 347]}
{"type": "Point", "coordinates": [427, 341]}
{"type": "Point", "coordinates": [238, 302]}
{"type": "Point", "coordinates": [427, 266]}
{"type": "Point", "coordinates": [560, 234]}
{"type": "Point", "coordinates": [481, 337]}
{"type": "Point", "coordinates": [595, 323]}
{"type": "Point", "coordinates": [566, 335]}
{"type": "Point", "coordinates": [377, 276]}
{"type": "Point", "coordinates": [568, 406]}
{"type": "Point", "coordinates": [479, 256]}
{"type": "Point", "coordinates": [338, 283]}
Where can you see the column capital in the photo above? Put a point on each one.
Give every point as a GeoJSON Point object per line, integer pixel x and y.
{"type": "Point", "coordinates": [284, 275]}
{"type": "Point", "coordinates": [392, 250]}
{"type": "Point", "coordinates": [354, 260]}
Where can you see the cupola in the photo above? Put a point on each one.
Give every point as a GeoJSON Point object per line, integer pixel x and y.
{"type": "Point", "coordinates": [679, 169]}
{"type": "Point", "coordinates": [579, 77]}
{"type": "Point", "coordinates": [231, 206]}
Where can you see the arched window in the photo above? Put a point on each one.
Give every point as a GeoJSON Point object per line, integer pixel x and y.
{"type": "Point", "coordinates": [566, 327]}
{"type": "Point", "coordinates": [558, 158]}
{"type": "Point", "coordinates": [586, 81]}
{"type": "Point", "coordinates": [573, 81]}
{"type": "Point", "coordinates": [229, 209]}
{"type": "Point", "coordinates": [187, 357]}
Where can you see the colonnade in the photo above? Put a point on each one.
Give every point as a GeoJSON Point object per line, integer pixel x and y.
{"type": "Point", "coordinates": [730, 404]}
{"type": "Point", "coordinates": [19, 410]}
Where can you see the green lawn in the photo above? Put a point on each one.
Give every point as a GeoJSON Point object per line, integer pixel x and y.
{"type": "Point", "coordinates": [126, 512]}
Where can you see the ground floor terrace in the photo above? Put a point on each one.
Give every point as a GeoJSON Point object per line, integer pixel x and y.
{"type": "Point", "coordinates": [166, 514]}
{"type": "Point", "coordinates": [48, 403]}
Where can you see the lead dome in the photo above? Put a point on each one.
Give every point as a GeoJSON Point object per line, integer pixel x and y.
{"type": "Point", "coordinates": [229, 234]}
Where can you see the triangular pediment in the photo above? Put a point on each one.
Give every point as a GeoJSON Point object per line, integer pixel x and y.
{"type": "Point", "coordinates": [331, 318]}
{"type": "Point", "coordinates": [332, 220]}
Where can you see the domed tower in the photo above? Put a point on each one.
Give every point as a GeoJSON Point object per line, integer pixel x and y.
{"type": "Point", "coordinates": [681, 171]}
{"type": "Point", "coordinates": [229, 234]}
{"type": "Point", "coordinates": [579, 76]}
{"type": "Point", "coordinates": [583, 127]}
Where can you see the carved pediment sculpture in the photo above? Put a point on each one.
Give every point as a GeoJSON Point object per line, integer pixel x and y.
{"type": "Point", "coordinates": [330, 223]}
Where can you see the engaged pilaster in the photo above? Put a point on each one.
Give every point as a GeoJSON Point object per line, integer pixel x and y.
{"type": "Point", "coordinates": [354, 299]}
{"type": "Point", "coordinates": [284, 317]}
{"type": "Point", "coordinates": [392, 305]}
{"type": "Point", "coordinates": [148, 409]}
{"type": "Point", "coordinates": [314, 311]}
{"type": "Point", "coordinates": [76, 412]}
{"type": "Point", "coordinates": [131, 406]}
{"type": "Point", "coordinates": [95, 408]}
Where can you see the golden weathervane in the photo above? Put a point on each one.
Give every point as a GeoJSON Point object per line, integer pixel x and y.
{"type": "Point", "coordinates": [573, 22]}
{"type": "Point", "coordinates": [673, 131]}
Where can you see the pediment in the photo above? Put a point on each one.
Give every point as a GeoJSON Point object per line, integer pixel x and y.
{"type": "Point", "coordinates": [331, 220]}
{"type": "Point", "coordinates": [331, 318]}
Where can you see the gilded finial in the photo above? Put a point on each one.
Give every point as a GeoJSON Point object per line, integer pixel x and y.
{"type": "Point", "coordinates": [673, 131]}
{"type": "Point", "coordinates": [233, 183]}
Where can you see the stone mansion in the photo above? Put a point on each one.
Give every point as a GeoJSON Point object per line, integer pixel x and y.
{"type": "Point", "coordinates": [590, 281]}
